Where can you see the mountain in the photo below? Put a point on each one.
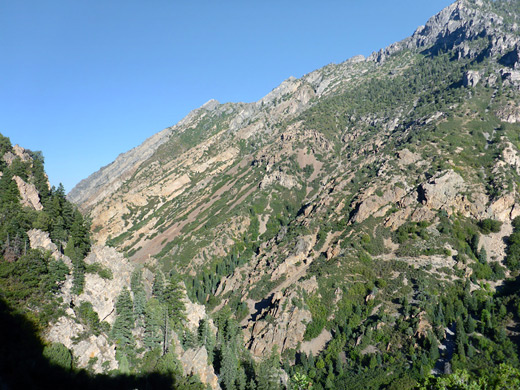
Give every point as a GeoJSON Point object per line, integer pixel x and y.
{"type": "Point", "coordinates": [67, 306]}
{"type": "Point", "coordinates": [355, 228]}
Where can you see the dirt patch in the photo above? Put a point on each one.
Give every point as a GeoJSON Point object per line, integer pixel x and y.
{"type": "Point", "coordinates": [388, 243]}
{"type": "Point", "coordinates": [305, 159]}
{"type": "Point", "coordinates": [494, 243]}
{"type": "Point", "coordinates": [263, 223]}
{"type": "Point", "coordinates": [316, 345]}
{"type": "Point", "coordinates": [370, 349]}
{"type": "Point", "coordinates": [243, 197]}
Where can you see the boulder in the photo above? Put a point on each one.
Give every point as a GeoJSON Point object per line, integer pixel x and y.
{"type": "Point", "coordinates": [471, 78]}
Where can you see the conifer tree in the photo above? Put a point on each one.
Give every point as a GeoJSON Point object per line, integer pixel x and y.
{"type": "Point", "coordinates": [124, 323]}
{"type": "Point", "coordinates": [241, 381]}
{"type": "Point", "coordinates": [206, 338]}
{"type": "Point", "coordinates": [153, 324]}
{"type": "Point", "coordinates": [78, 267]}
{"type": "Point", "coordinates": [266, 373]}
{"type": "Point", "coordinates": [158, 286]}
{"type": "Point", "coordinates": [136, 284]}
{"type": "Point", "coordinates": [173, 299]}
{"type": "Point", "coordinates": [228, 371]}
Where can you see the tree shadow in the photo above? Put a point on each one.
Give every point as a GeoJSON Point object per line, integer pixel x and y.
{"type": "Point", "coordinates": [23, 366]}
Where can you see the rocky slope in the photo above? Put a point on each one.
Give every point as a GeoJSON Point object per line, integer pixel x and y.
{"type": "Point", "coordinates": [367, 184]}
{"type": "Point", "coordinates": [77, 300]}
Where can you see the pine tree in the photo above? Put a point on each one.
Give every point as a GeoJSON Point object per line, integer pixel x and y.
{"type": "Point", "coordinates": [173, 298]}
{"type": "Point", "coordinates": [79, 231]}
{"type": "Point", "coordinates": [471, 324]}
{"type": "Point", "coordinates": [482, 256]}
{"type": "Point", "coordinates": [136, 284]}
{"type": "Point", "coordinates": [189, 340]}
{"type": "Point", "coordinates": [153, 324]}
{"type": "Point", "coordinates": [206, 338]}
{"type": "Point", "coordinates": [40, 179]}
{"type": "Point", "coordinates": [124, 323]}
{"type": "Point", "coordinates": [266, 373]}
{"type": "Point", "coordinates": [158, 286]}
{"type": "Point", "coordinates": [228, 371]}
{"type": "Point", "coordinates": [241, 380]}
{"type": "Point", "coordinates": [251, 385]}
{"type": "Point", "coordinates": [169, 365]}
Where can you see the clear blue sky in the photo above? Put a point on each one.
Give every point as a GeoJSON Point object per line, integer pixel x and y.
{"type": "Point", "coordinates": [85, 80]}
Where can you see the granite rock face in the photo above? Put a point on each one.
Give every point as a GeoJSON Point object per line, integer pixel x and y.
{"type": "Point", "coordinates": [100, 293]}
{"type": "Point", "coordinates": [29, 194]}
{"type": "Point", "coordinates": [41, 240]}
{"type": "Point", "coordinates": [195, 362]}
{"type": "Point", "coordinates": [95, 349]}
{"type": "Point", "coordinates": [471, 78]}
{"type": "Point", "coordinates": [285, 332]}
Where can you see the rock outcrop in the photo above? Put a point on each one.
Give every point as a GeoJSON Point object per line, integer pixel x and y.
{"type": "Point", "coordinates": [102, 293]}
{"type": "Point", "coordinates": [471, 78]}
{"type": "Point", "coordinates": [443, 191]}
{"type": "Point", "coordinates": [41, 240]}
{"type": "Point", "coordinates": [95, 351]}
{"type": "Point", "coordinates": [195, 362]}
{"type": "Point", "coordinates": [277, 326]}
{"type": "Point", "coordinates": [29, 194]}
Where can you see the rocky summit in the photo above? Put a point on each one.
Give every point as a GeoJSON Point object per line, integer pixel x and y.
{"type": "Point", "coordinates": [356, 228]}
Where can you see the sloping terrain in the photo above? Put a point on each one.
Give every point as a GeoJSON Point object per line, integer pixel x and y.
{"type": "Point", "coordinates": [366, 205]}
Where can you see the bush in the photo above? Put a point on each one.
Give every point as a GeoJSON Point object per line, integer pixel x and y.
{"type": "Point", "coordinates": [489, 226]}
{"type": "Point", "coordinates": [58, 355]}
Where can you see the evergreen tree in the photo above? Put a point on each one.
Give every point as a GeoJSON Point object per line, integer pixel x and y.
{"type": "Point", "coordinates": [266, 373]}
{"type": "Point", "coordinates": [251, 385]}
{"type": "Point", "coordinates": [124, 323]}
{"type": "Point", "coordinates": [241, 381]}
{"type": "Point", "coordinates": [158, 286]}
{"type": "Point", "coordinates": [153, 324]}
{"type": "Point", "coordinates": [471, 324]}
{"type": "Point", "coordinates": [206, 338]}
{"type": "Point", "coordinates": [58, 355]}
{"type": "Point", "coordinates": [228, 371]}
{"type": "Point", "coordinates": [78, 267]}
{"type": "Point", "coordinates": [482, 256]}
{"type": "Point", "coordinates": [169, 365]}
{"type": "Point", "coordinates": [189, 340]}
{"type": "Point", "coordinates": [40, 178]}
{"type": "Point", "coordinates": [173, 298]}
{"type": "Point", "coordinates": [136, 284]}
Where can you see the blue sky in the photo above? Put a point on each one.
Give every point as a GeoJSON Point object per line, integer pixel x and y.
{"type": "Point", "coordinates": [83, 81]}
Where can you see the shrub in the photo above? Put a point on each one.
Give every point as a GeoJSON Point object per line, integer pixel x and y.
{"type": "Point", "coordinates": [58, 355]}
{"type": "Point", "coordinates": [489, 226]}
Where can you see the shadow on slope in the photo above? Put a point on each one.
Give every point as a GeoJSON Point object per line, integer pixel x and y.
{"type": "Point", "coordinates": [23, 366]}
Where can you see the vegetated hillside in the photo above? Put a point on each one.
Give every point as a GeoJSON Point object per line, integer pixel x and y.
{"type": "Point", "coordinates": [70, 309]}
{"type": "Point", "coordinates": [354, 221]}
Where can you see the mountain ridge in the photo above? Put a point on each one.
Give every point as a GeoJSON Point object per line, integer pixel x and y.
{"type": "Point", "coordinates": [437, 29]}
{"type": "Point", "coordinates": [356, 215]}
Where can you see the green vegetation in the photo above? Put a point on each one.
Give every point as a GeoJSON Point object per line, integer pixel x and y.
{"type": "Point", "coordinates": [513, 247]}
{"type": "Point", "coordinates": [401, 280]}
